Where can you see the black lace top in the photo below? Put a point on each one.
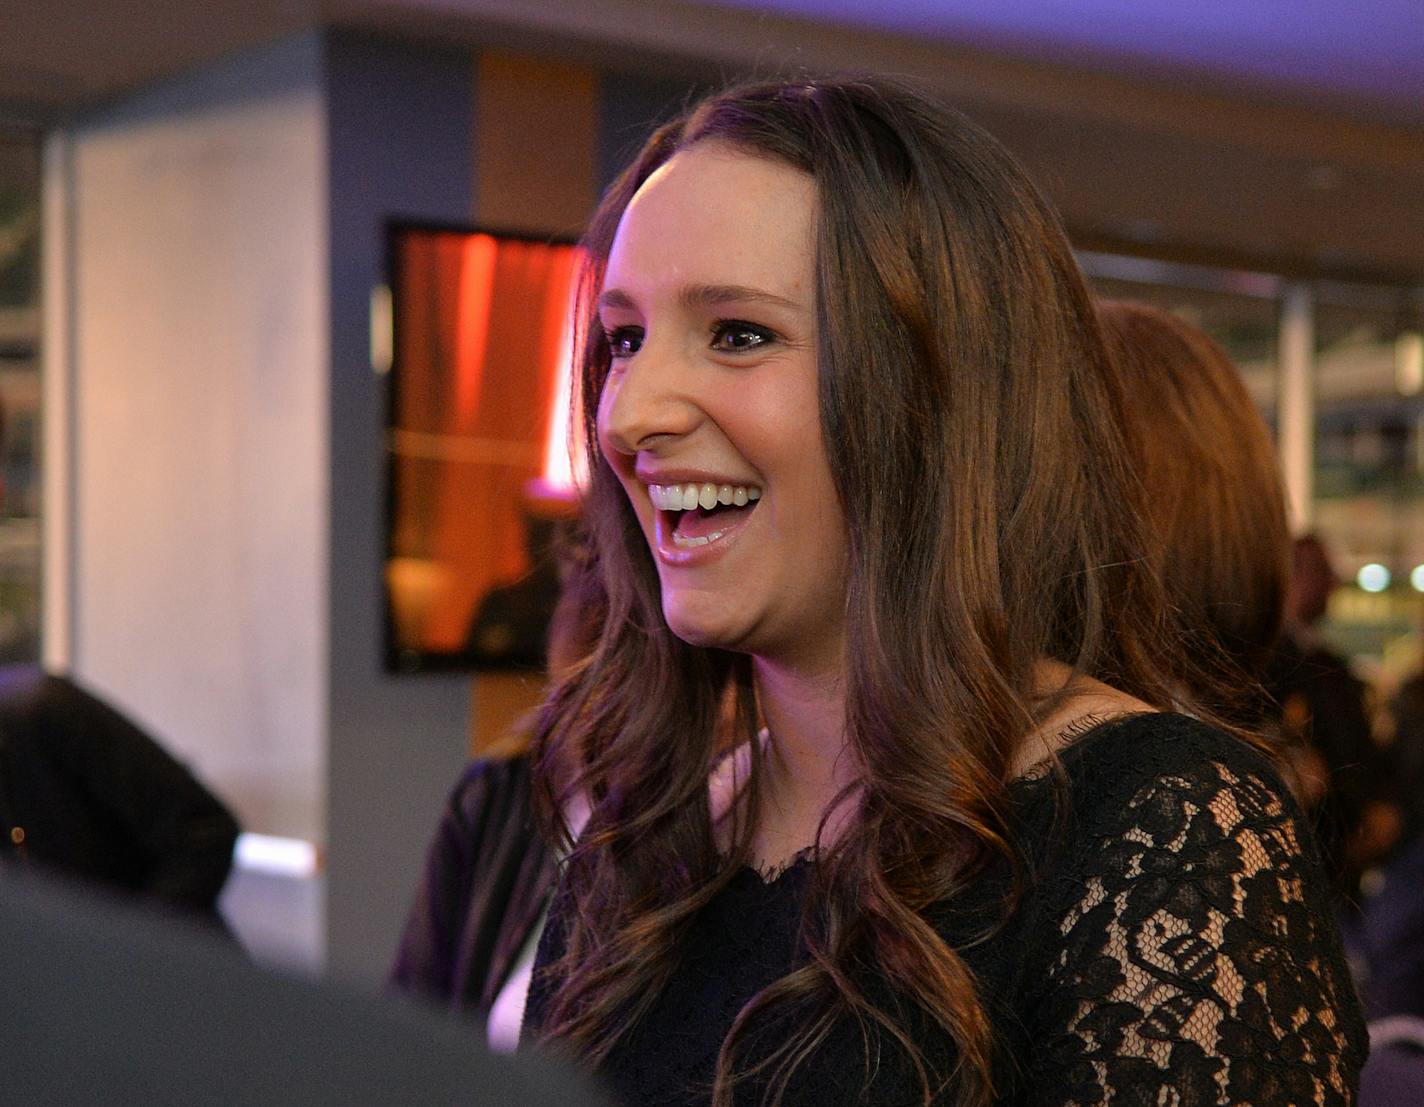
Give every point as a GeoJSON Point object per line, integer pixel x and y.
{"type": "Point", "coordinates": [1176, 947]}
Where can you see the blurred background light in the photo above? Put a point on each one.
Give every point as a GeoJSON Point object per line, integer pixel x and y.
{"type": "Point", "coordinates": [1409, 363]}
{"type": "Point", "coordinates": [1373, 577]}
{"type": "Point", "coordinates": [275, 856]}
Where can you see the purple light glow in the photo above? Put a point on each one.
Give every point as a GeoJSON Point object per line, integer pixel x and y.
{"type": "Point", "coordinates": [1372, 48]}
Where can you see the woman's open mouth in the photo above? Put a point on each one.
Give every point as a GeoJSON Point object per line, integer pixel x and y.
{"type": "Point", "coordinates": [695, 515]}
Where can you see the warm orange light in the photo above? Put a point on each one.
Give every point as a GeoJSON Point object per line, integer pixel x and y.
{"type": "Point", "coordinates": [481, 429]}
{"type": "Point", "coordinates": [477, 263]}
{"type": "Point", "coordinates": [561, 454]}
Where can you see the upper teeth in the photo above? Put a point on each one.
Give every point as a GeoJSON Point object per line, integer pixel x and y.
{"type": "Point", "coordinates": [685, 497]}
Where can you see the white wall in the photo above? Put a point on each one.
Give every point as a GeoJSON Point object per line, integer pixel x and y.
{"type": "Point", "coordinates": [215, 460]}
{"type": "Point", "coordinates": [198, 338]}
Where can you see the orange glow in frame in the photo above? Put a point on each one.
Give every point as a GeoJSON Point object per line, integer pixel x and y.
{"type": "Point", "coordinates": [565, 466]}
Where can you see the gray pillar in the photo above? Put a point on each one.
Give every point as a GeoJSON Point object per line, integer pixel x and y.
{"type": "Point", "coordinates": [1296, 419]}
{"type": "Point", "coordinates": [400, 128]}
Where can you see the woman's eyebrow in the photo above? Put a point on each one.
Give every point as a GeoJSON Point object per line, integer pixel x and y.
{"type": "Point", "coordinates": [705, 295]}
{"type": "Point", "coordinates": [711, 295]}
{"type": "Point", "coordinates": [615, 298]}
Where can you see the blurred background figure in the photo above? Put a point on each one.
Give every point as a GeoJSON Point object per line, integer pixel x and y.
{"type": "Point", "coordinates": [510, 626]}
{"type": "Point", "coordinates": [1325, 723]}
{"type": "Point", "coordinates": [1403, 727]}
{"type": "Point", "coordinates": [1206, 457]}
{"type": "Point", "coordinates": [86, 793]}
{"type": "Point", "coordinates": [474, 924]}
{"type": "Point", "coordinates": [105, 1006]}
{"type": "Point", "coordinates": [1367, 817]}
{"type": "Point", "coordinates": [1391, 927]}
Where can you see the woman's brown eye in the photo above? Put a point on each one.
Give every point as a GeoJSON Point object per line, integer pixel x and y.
{"type": "Point", "coordinates": [735, 336]}
{"type": "Point", "coordinates": [624, 341]}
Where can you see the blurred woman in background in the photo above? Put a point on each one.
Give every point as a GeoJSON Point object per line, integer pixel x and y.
{"type": "Point", "coordinates": [1214, 500]}
{"type": "Point", "coordinates": [469, 938]}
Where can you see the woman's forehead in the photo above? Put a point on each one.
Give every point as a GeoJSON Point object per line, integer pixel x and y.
{"type": "Point", "coordinates": [713, 214]}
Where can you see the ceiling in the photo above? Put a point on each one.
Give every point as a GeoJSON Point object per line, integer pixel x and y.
{"type": "Point", "coordinates": [1367, 55]}
{"type": "Point", "coordinates": [1285, 134]}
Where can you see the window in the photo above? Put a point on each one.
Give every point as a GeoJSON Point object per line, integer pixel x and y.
{"type": "Point", "coordinates": [1369, 470]}
{"type": "Point", "coordinates": [20, 394]}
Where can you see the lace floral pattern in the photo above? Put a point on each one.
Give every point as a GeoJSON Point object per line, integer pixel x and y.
{"type": "Point", "coordinates": [1177, 949]}
{"type": "Point", "coordinates": [1198, 962]}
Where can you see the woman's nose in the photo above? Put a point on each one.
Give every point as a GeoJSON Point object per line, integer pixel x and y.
{"type": "Point", "coordinates": [646, 403]}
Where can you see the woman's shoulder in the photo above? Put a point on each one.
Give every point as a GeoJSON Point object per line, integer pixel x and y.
{"type": "Point", "coordinates": [494, 772]}
{"type": "Point", "coordinates": [494, 790]}
{"type": "Point", "coordinates": [1164, 779]}
{"type": "Point", "coordinates": [1161, 749]}
{"type": "Point", "coordinates": [1179, 900]}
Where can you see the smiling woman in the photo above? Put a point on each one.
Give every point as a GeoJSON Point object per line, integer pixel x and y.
{"type": "Point", "coordinates": [891, 801]}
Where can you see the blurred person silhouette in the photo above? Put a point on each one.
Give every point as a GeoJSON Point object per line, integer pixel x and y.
{"type": "Point", "coordinates": [1216, 499]}
{"type": "Point", "coordinates": [86, 792]}
{"type": "Point", "coordinates": [1403, 725]}
{"type": "Point", "coordinates": [1326, 720]}
{"type": "Point", "coordinates": [106, 1004]}
{"type": "Point", "coordinates": [510, 627]}
{"type": "Point", "coordinates": [469, 939]}
{"type": "Point", "coordinates": [1207, 460]}
{"type": "Point", "coordinates": [1391, 926]}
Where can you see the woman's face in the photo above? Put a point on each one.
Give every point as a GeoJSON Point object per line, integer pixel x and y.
{"type": "Point", "coordinates": [708, 304]}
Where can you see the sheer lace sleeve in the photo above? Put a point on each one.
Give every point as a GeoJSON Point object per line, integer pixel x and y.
{"type": "Point", "coordinates": [1193, 956]}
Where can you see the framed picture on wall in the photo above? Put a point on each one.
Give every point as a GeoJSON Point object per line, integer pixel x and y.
{"type": "Point", "coordinates": [480, 491]}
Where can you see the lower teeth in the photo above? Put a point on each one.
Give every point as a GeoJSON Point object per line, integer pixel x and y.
{"type": "Point", "coordinates": [701, 540]}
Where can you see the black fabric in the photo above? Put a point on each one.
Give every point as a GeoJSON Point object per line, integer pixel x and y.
{"type": "Point", "coordinates": [1176, 946]}
{"type": "Point", "coordinates": [105, 1005]}
{"type": "Point", "coordinates": [487, 878]}
{"type": "Point", "coordinates": [1322, 706]}
{"type": "Point", "coordinates": [1388, 935]}
{"type": "Point", "coordinates": [1405, 755]}
{"type": "Point", "coordinates": [86, 792]}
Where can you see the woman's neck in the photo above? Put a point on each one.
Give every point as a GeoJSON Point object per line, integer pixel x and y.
{"type": "Point", "coordinates": [1083, 699]}
{"type": "Point", "coordinates": [808, 761]}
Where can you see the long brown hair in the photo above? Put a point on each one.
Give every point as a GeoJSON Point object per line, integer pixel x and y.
{"type": "Point", "coordinates": [1222, 544]}
{"type": "Point", "coordinates": [993, 521]}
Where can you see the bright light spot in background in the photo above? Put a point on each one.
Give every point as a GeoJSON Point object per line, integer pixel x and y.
{"type": "Point", "coordinates": [383, 329]}
{"type": "Point", "coordinates": [276, 856]}
{"type": "Point", "coordinates": [558, 464]}
{"type": "Point", "coordinates": [1374, 577]}
{"type": "Point", "coordinates": [1409, 363]}
{"type": "Point", "coordinates": [1416, 578]}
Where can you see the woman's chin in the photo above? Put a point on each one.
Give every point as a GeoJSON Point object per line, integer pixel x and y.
{"type": "Point", "coordinates": [703, 629]}
{"type": "Point", "coordinates": [703, 637]}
